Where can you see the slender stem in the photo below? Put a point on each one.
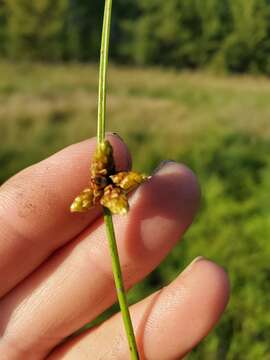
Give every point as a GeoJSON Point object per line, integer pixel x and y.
{"type": "Point", "coordinates": [118, 278]}
{"type": "Point", "coordinates": [104, 54]}
{"type": "Point", "coordinates": [117, 273]}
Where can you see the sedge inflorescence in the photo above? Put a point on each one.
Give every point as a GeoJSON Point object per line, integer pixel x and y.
{"type": "Point", "coordinates": [107, 187]}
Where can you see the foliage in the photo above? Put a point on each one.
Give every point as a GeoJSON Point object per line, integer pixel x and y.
{"type": "Point", "coordinates": [245, 49]}
{"type": "Point", "coordinates": [181, 33]}
{"type": "Point", "coordinates": [218, 126]}
{"type": "Point", "coordinates": [83, 29]}
{"type": "Point", "coordinates": [34, 28]}
{"type": "Point", "coordinates": [3, 27]}
{"type": "Point", "coordinates": [227, 35]}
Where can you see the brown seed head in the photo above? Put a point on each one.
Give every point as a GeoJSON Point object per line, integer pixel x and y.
{"type": "Point", "coordinates": [107, 187]}
{"type": "Point", "coordinates": [103, 162]}
{"type": "Point", "coordinates": [115, 200]}
{"type": "Point", "coordinates": [83, 202]}
{"type": "Point", "coordinates": [128, 180]}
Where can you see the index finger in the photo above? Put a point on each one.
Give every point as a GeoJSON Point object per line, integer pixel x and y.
{"type": "Point", "coordinates": [34, 208]}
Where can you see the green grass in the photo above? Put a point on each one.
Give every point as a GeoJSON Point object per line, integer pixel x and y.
{"type": "Point", "coordinates": [217, 125]}
{"type": "Point", "coordinates": [57, 105]}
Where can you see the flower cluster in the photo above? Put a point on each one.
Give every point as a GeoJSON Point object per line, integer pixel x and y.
{"type": "Point", "coordinates": [107, 187]}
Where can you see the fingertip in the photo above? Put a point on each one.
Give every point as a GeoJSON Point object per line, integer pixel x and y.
{"type": "Point", "coordinates": [190, 307]}
{"type": "Point", "coordinates": [220, 282]}
{"type": "Point", "coordinates": [189, 183]}
{"type": "Point", "coordinates": [216, 279]}
{"type": "Point", "coordinates": [179, 184]}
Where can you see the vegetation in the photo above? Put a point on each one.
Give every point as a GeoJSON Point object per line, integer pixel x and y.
{"type": "Point", "coordinates": [218, 126]}
{"type": "Point", "coordinates": [227, 35]}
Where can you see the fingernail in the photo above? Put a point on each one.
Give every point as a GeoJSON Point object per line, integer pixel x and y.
{"type": "Point", "coordinates": [193, 262]}
{"type": "Point", "coordinates": [162, 164]}
{"type": "Point", "coordinates": [115, 134]}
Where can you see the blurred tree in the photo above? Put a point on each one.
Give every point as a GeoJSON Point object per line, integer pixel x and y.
{"type": "Point", "coordinates": [123, 12]}
{"type": "Point", "coordinates": [247, 46]}
{"type": "Point", "coordinates": [34, 28]}
{"type": "Point", "coordinates": [180, 33]}
{"type": "Point", "coordinates": [83, 29]}
{"type": "Point", "coordinates": [231, 35]}
{"type": "Point", "coordinates": [215, 21]}
{"type": "Point", "coordinates": [2, 27]}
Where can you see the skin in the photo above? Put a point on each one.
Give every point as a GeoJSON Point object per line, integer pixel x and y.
{"type": "Point", "coordinates": [55, 269]}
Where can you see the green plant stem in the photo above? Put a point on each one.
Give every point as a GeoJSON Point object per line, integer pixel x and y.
{"type": "Point", "coordinates": [104, 54]}
{"type": "Point", "coordinates": [117, 273]}
{"type": "Point", "coordinates": [118, 278]}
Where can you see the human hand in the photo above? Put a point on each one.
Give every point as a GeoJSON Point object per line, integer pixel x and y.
{"type": "Point", "coordinates": [55, 268]}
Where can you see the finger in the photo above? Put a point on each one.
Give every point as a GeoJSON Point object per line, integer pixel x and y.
{"type": "Point", "coordinates": [178, 317]}
{"type": "Point", "coordinates": [76, 284]}
{"type": "Point", "coordinates": [34, 208]}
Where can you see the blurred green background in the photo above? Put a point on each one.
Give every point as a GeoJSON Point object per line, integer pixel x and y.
{"type": "Point", "coordinates": [173, 93]}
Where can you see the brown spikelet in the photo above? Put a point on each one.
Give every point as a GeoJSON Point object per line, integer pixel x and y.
{"type": "Point", "coordinates": [107, 187]}
{"type": "Point", "coordinates": [128, 180]}
{"type": "Point", "coordinates": [83, 202]}
{"type": "Point", "coordinates": [103, 162]}
{"type": "Point", "coordinates": [115, 200]}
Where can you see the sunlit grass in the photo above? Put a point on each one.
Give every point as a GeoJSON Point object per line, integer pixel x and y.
{"type": "Point", "coordinates": [55, 105]}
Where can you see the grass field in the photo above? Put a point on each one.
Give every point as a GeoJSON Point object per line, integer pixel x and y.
{"type": "Point", "coordinates": [217, 125]}
{"type": "Point", "coordinates": [49, 107]}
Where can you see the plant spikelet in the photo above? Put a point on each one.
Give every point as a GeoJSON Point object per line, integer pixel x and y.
{"type": "Point", "coordinates": [107, 187]}
{"type": "Point", "coordinates": [115, 199]}
{"type": "Point", "coordinates": [83, 202]}
{"type": "Point", "coordinates": [128, 180]}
